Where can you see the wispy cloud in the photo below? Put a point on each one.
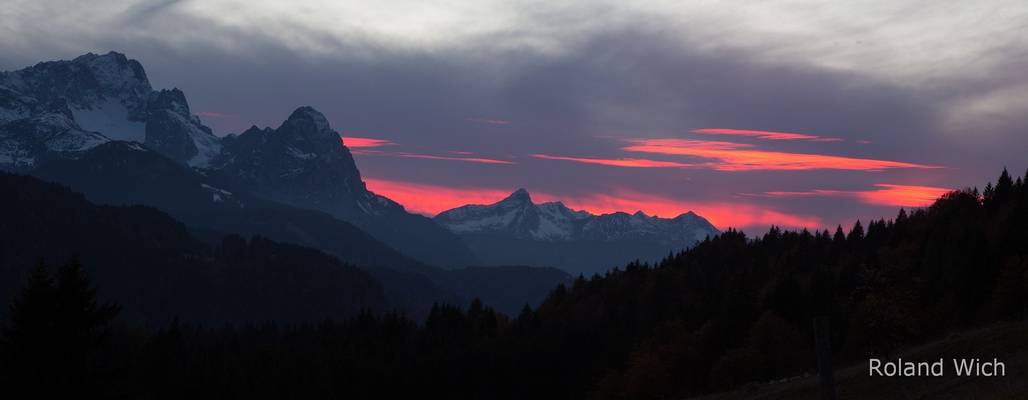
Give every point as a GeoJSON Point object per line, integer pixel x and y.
{"type": "Point", "coordinates": [354, 142]}
{"type": "Point", "coordinates": [211, 114]}
{"type": "Point", "coordinates": [404, 154]}
{"type": "Point", "coordinates": [617, 162]}
{"type": "Point", "coordinates": [767, 135]}
{"type": "Point", "coordinates": [885, 194]}
{"type": "Point", "coordinates": [729, 156]}
{"type": "Point", "coordinates": [480, 160]}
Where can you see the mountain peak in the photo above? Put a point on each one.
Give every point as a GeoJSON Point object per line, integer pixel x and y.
{"type": "Point", "coordinates": [521, 196]}
{"type": "Point", "coordinates": [111, 55]}
{"type": "Point", "coordinates": [687, 215]}
{"type": "Point", "coordinates": [115, 71]}
{"type": "Point", "coordinates": [308, 122]}
{"type": "Point", "coordinates": [306, 113]}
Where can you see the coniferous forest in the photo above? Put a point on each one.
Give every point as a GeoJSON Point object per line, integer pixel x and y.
{"type": "Point", "coordinates": [732, 310]}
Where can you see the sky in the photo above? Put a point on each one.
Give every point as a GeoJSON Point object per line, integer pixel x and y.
{"type": "Point", "coordinates": [790, 113]}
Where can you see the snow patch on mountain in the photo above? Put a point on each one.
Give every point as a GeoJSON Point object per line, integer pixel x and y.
{"type": "Point", "coordinates": [217, 195]}
{"type": "Point", "coordinates": [111, 118]}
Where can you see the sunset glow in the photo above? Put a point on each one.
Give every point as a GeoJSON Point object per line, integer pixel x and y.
{"type": "Point", "coordinates": [729, 156]}
{"type": "Point", "coordinates": [432, 199]}
{"type": "Point", "coordinates": [365, 142]}
{"type": "Point", "coordinates": [768, 135]}
{"type": "Point", "coordinates": [886, 195]}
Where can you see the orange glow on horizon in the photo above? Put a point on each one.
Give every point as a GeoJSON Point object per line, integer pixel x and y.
{"type": "Point", "coordinates": [743, 157]}
{"type": "Point", "coordinates": [903, 195]}
{"type": "Point", "coordinates": [886, 195]}
{"type": "Point", "coordinates": [768, 135]}
{"type": "Point", "coordinates": [432, 199]}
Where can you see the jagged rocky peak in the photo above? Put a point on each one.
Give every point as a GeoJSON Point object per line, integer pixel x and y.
{"type": "Point", "coordinates": [308, 130]}
{"type": "Point", "coordinates": [173, 131]}
{"type": "Point", "coordinates": [87, 81]}
{"type": "Point", "coordinates": [105, 94]}
{"type": "Point", "coordinates": [116, 72]}
{"type": "Point", "coordinates": [172, 100]}
{"type": "Point", "coordinates": [306, 120]}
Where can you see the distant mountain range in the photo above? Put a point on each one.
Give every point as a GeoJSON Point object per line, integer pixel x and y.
{"type": "Point", "coordinates": [517, 231]}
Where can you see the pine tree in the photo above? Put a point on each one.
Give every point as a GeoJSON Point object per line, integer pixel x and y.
{"type": "Point", "coordinates": [1004, 185]}
{"type": "Point", "coordinates": [28, 336]}
{"type": "Point", "coordinates": [839, 236]}
{"type": "Point", "coordinates": [55, 331]}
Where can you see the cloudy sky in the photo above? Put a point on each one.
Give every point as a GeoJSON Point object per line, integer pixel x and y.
{"type": "Point", "coordinates": [792, 113]}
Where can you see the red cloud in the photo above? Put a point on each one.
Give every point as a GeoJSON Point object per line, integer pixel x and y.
{"type": "Point", "coordinates": [886, 195]}
{"type": "Point", "coordinates": [730, 156]}
{"type": "Point", "coordinates": [768, 135]}
{"type": "Point", "coordinates": [619, 162]}
{"type": "Point", "coordinates": [364, 142]}
{"type": "Point", "coordinates": [433, 199]}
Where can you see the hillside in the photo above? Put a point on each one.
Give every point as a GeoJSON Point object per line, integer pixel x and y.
{"type": "Point", "coordinates": [730, 311]}
{"type": "Point", "coordinates": [156, 270]}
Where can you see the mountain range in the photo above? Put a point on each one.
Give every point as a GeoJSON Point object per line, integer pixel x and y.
{"type": "Point", "coordinates": [517, 231]}
{"type": "Point", "coordinates": [97, 125]}
{"type": "Point", "coordinates": [62, 110]}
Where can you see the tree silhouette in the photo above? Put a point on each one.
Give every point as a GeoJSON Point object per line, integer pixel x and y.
{"type": "Point", "coordinates": [54, 335]}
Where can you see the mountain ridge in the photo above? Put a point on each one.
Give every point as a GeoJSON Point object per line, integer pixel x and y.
{"type": "Point", "coordinates": [58, 110]}
{"type": "Point", "coordinates": [518, 216]}
{"type": "Point", "coordinates": [516, 230]}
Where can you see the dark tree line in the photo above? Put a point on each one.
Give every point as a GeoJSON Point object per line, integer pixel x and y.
{"type": "Point", "coordinates": [52, 347]}
{"type": "Point", "coordinates": [731, 310]}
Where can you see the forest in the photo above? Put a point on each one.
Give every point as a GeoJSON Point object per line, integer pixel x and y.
{"type": "Point", "coordinates": [733, 309]}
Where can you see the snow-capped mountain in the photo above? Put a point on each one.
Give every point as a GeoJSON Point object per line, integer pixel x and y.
{"type": "Point", "coordinates": [515, 216]}
{"type": "Point", "coordinates": [516, 230]}
{"type": "Point", "coordinates": [61, 110]}
{"type": "Point", "coordinates": [518, 217]}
